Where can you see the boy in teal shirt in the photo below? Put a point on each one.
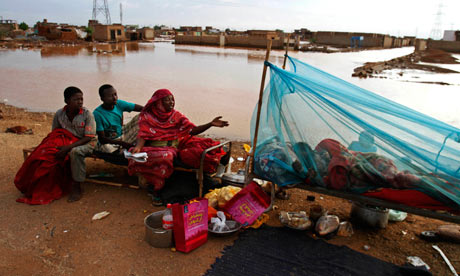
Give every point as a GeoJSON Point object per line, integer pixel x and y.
{"type": "Point", "coordinates": [111, 132]}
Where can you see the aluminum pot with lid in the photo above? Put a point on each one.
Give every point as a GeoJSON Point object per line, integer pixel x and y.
{"type": "Point", "coordinates": [238, 178]}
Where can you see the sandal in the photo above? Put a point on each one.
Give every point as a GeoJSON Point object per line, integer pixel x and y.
{"type": "Point", "coordinates": [431, 236]}
{"type": "Point", "coordinates": [157, 201]}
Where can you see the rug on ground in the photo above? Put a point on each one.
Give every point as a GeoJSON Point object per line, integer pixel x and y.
{"type": "Point", "coordinates": [284, 251]}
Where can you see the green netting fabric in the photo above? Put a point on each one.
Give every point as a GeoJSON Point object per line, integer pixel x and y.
{"type": "Point", "coordinates": [317, 128]}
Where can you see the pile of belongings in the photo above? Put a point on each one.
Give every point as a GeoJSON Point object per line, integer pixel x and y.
{"type": "Point", "coordinates": [324, 225]}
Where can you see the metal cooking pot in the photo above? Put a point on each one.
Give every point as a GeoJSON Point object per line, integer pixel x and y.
{"type": "Point", "coordinates": [236, 179]}
{"type": "Point", "coordinates": [155, 235]}
{"type": "Point", "coordinates": [370, 215]}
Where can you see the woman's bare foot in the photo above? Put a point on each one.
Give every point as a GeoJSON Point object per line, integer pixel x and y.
{"type": "Point", "coordinates": [75, 193]}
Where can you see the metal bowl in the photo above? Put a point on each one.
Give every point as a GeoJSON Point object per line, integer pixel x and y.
{"type": "Point", "coordinates": [155, 235]}
{"type": "Point", "coordinates": [370, 215]}
{"type": "Point", "coordinates": [233, 226]}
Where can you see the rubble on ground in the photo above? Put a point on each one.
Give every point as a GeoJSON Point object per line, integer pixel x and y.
{"type": "Point", "coordinates": [411, 61]}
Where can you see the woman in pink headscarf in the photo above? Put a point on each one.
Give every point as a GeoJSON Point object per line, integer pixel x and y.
{"type": "Point", "coordinates": [165, 134]}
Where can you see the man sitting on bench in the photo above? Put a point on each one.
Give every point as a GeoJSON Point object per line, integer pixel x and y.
{"type": "Point", "coordinates": [45, 175]}
{"type": "Point", "coordinates": [112, 134]}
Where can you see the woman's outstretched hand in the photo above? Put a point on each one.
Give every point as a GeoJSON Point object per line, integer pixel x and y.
{"type": "Point", "coordinates": [217, 122]}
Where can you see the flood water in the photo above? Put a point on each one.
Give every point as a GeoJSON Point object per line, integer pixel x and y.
{"type": "Point", "coordinates": [206, 81]}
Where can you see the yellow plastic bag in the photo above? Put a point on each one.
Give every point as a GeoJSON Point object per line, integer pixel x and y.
{"type": "Point", "coordinates": [218, 197]}
{"type": "Point", "coordinates": [225, 194]}
{"type": "Point", "coordinates": [247, 148]}
{"type": "Point", "coordinates": [212, 198]}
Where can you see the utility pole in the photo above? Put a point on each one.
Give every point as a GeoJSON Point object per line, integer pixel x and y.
{"type": "Point", "coordinates": [121, 14]}
{"type": "Point", "coordinates": [103, 8]}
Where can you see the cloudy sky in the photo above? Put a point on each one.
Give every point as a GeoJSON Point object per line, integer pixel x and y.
{"type": "Point", "coordinates": [395, 17]}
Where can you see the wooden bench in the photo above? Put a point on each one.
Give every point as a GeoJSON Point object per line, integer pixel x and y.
{"type": "Point", "coordinates": [198, 171]}
{"type": "Point", "coordinates": [27, 151]}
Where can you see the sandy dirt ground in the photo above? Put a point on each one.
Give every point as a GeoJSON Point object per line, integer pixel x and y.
{"type": "Point", "coordinates": [61, 239]}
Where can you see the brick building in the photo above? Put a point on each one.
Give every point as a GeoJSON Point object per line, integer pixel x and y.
{"type": "Point", "coordinates": [114, 32]}
{"type": "Point", "coordinates": [54, 31]}
{"type": "Point", "coordinates": [8, 25]}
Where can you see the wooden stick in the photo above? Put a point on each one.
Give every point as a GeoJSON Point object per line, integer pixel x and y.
{"type": "Point", "coordinates": [285, 55]}
{"type": "Point", "coordinates": [115, 184]}
{"type": "Point", "coordinates": [259, 105]}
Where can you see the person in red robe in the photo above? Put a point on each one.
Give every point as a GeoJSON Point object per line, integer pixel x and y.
{"type": "Point", "coordinates": [376, 176]}
{"type": "Point", "coordinates": [166, 134]}
{"type": "Point", "coordinates": [56, 167]}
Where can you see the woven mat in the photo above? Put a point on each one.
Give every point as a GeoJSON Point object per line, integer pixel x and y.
{"type": "Point", "coordinates": [284, 251]}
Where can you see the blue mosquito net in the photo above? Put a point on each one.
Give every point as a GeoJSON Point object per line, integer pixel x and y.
{"type": "Point", "coordinates": [318, 129]}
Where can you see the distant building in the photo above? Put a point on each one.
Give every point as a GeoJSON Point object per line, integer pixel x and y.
{"type": "Point", "coordinates": [188, 30]}
{"type": "Point", "coordinates": [8, 25]}
{"type": "Point", "coordinates": [54, 31]}
{"type": "Point", "coordinates": [209, 30]}
{"type": "Point", "coordinates": [114, 32]}
{"type": "Point", "coordinates": [164, 32]}
{"type": "Point", "coordinates": [451, 35]}
{"type": "Point", "coordinates": [145, 33]}
{"type": "Point", "coordinates": [133, 34]}
{"type": "Point", "coordinates": [409, 40]}
{"type": "Point", "coordinates": [366, 40]}
{"type": "Point", "coordinates": [264, 34]}
{"type": "Point", "coordinates": [235, 33]}
{"type": "Point", "coordinates": [449, 43]}
{"type": "Point", "coordinates": [303, 34]}
{"type": "Point", "coordinates": [17, 33]}
{"type": "Point", "coordinates": [148, 33]}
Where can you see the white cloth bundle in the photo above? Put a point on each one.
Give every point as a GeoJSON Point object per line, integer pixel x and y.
{"type": "Point", "coordinates": [140, 157]}
{"type": "Point", "coordinates": [219, 224]}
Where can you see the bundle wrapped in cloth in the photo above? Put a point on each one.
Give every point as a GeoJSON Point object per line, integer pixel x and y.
{"type": "Point", "coordinates": [218, 223]}
{"type": "Point", "coordinates": [296, 220]}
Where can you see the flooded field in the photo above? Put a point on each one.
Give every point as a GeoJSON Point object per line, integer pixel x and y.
{"type": "Point", "coordinates": [206, 81]}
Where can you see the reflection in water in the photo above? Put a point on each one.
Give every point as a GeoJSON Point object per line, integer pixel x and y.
{"type": "Point", "coordinates": [206, 81]}
{"type": "Point", "coordinates": [208, 53]}
{"type": "Point", "coordinates": [146, 46]}
{"type": "Point", "coordinates": [104, 63]}
{"type": "Point", "coordinates": [118, 49]}
{"type": "Point", "coordinates": [132, 47]}
{"type": "Point", "coordinates": [219, 52]}
{"type": "Point", "coordinates": [62, 50]}
{"type": "Point", "coordinates": [253, 56]}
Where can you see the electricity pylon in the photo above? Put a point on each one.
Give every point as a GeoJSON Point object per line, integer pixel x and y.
{"type": "Point", "coordinates": [436, 32]}
{"type": "Point", "coordinates": [103, 8]}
